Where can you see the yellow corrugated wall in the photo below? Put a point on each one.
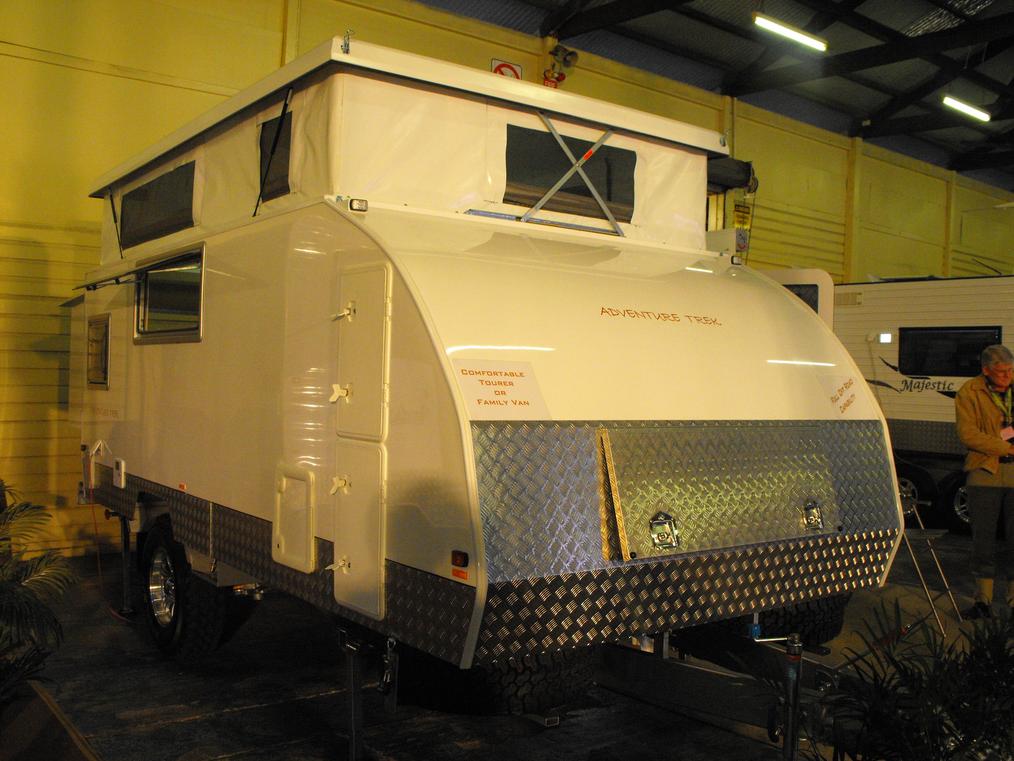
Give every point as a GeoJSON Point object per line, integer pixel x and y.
{"type": "Point", "coordinates": [98, 80]}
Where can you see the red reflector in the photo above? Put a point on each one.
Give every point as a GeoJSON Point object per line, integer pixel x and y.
{"type": "Point", "coordinates": [588, 155]}
{"type": "Point", "coordinates": [459, 558]}
{"type": "Point", "coordinates": [459, 574]}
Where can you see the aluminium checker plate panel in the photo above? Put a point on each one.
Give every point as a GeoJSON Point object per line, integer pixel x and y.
{"type": "Point", "coordinates": [425, 611]}
{"type": "Point", "coordinates": [555, 580]}
{"type": "Point", "coordinates": [930, 436]}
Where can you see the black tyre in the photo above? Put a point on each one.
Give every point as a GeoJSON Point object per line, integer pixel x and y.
{"type": "Point", "coordinates": [816, 621]}
{"type": "Point", "coordinates": [185, 614]}
{"type": "Point", "coordinates": [535, 683]}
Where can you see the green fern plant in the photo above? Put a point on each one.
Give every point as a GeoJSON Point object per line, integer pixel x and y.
{"type": "Point", "coordinates": [29, 629]}
{"type": "Point", "coordinates": [917, 698]}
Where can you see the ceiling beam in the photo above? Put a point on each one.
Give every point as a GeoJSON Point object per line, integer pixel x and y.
{"type": "Point", "coordinates": [611, 14]}
{"type": "Point", "coordinates": [879, 55]}
{"type": "Point", "coordinates": [996, 159]}
{"type": "Point", "coordinates": [916, 94]}
{"type": "Point", "coordinates": [555, 19]}
{"type": "Point", "coordinates": [775, 50]}
{"type": "Point", "coordinates": [753, 34]}
{"type": "Point", "coordinates": [886, 34]}
{"type": "Point", "coordinates": [930, 122]}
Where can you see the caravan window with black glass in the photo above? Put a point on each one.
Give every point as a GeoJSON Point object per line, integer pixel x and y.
{"type": "Point", "coordinates": [949, 352]}
{"type": "Point", "coordinates": [535, 163]}
{"type": "Point", "coordinates": [169, 300]}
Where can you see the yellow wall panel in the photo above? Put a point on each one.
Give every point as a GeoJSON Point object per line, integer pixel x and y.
{"type": "Point", "coordinates": [980, 228]}
{"type": "Point", "coordinates": [882, 254]}
{"type": "Point", "coordinates": [904, 202]}
{"type": "Point", "coordinates": [197, 41]}
{"type": "Point", "coordinates": [72, 126]}
{"type": "Point", "coordinates": [417, 29]}
{"type": "Point", "coordinates": [799, 208]}
{"type": "Point", "coordinates": [794, 168]}
{"type": "Point", "coordinates": [13, 360]}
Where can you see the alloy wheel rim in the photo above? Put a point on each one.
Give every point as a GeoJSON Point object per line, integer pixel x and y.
{"type": "Point", "coordinates": [961, 505]}
{"type": "Point", "coordinates": [162, 587]}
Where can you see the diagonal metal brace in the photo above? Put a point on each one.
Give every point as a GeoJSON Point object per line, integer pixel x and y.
{"type": "Point", "coordinates": [575, 168]}
{"type": "Point", "coordinates": [578, 165]}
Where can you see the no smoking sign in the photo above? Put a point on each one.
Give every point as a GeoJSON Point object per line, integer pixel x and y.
{"type": "Point", "coordinates": [506, 68]}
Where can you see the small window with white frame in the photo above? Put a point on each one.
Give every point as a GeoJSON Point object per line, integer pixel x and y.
{"type": "Point", "coordinates": [169, 299]}
{"type": "Point", "coordinates": [98, 351]}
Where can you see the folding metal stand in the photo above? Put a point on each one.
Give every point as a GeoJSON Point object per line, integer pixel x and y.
{"type": "Point", "coordinates": [928, 535]}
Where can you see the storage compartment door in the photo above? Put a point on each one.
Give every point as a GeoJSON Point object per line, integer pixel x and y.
{"type": "Point", "coordinates": [294, 525]}
{"type": "Point", "coordinates": [363, 352]}
{"type": "Point", "coordinates": [359, 543]}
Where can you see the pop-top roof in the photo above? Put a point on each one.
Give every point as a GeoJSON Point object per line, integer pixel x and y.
{"type": "Point", "coordinates": [375, 58]}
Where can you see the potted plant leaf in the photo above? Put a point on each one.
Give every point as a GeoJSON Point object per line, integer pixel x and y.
{"type": "Point", "coordinates": [29, 583]}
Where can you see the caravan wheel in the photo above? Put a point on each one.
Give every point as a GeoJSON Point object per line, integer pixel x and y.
{"type": "Point", "coordinates": [956, 508]}
{"type": "Point", "coordinates": [185, 614]}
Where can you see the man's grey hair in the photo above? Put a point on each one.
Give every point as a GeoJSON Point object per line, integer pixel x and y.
{"type": "Point", "coordinates": [997, 354]}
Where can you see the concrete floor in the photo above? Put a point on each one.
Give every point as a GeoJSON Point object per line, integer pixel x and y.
{"type": "Point", "coordinates": [277, 691]}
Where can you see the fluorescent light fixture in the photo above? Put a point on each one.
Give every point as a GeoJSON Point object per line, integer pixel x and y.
{"type": "Point", "coordinates": [455, 349]}
{"type": "Point", "coordinates": [884, 338]}
{"type": "Point", "coordinates": [800, 362]}
{"type": "Point", "coordinates": [959, 105]}
{"type": "Point", "coordinates": [791, 32]}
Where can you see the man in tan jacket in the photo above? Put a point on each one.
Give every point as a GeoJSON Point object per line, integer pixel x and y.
{"type": "Point", "coordinates": [984, 417]}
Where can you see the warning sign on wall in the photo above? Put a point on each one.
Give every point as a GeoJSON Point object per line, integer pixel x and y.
{"type": "Point", "coordinates": [506, 68]}
{"type": "Point", "coordinates": [500, 390]}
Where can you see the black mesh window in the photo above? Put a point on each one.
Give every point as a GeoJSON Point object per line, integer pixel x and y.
{"type": "Point", "coordinates": [277, 183]}
{"type": "Point", "coordinates": [535, 162]}
{"type": "Point", "coordinates": [950, 352]}
{"type": "Point", "coordinates": [162, 206]}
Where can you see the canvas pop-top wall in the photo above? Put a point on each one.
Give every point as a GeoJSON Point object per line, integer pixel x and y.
{"type": "Point", "coordinates": [366, 136]}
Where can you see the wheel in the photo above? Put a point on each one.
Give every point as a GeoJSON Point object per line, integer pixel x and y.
{"type": "Point", "coordinates": [534, 683]}
{"type": "Point", "coordinates": [816, 621]}
{"type": "Point", "coordinates": [909, 494]}
{"type": "Point", "coordinates": [955, 507]}
{"type": "Point", "coordinates": [915, 489]}
{"type": "Point", "coordinates": [186, 615]}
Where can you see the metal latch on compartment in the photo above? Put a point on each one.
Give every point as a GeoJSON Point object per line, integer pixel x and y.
{"type": "Point", "coordinates": [664, 534]}
{"type": "Point", "coordinates": [813, 518]}
{"type": "Point", "coordinates": [339, 391]}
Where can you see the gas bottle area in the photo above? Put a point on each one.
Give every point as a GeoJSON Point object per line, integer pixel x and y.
{"type": "Point", "coordinates": [281, 688]}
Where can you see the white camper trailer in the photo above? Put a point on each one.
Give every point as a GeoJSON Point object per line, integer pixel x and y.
{"type": "Point", "coordinates": [916, 341]}
{"type": "Point", "coordinates": [443, 353]}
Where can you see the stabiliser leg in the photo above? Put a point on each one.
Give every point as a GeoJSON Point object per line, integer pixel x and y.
{"type": "Point", "coordinates": [356, 651]}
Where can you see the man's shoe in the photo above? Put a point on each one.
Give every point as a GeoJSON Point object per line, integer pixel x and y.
{"type": "Point", "coordinates": [977, 611]}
